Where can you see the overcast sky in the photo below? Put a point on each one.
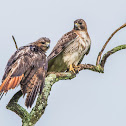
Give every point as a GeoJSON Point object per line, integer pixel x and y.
{"type": "Point", "coordinates": [90, 99]}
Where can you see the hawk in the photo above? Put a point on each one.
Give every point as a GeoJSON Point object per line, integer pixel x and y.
{"type": "Point", "coordinates": [27, 67]}
{"type": "Point", "coordinates": [70, 49]}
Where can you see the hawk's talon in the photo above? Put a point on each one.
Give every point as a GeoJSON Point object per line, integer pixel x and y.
{"type": "Point", "coordinates": [71, 69]}
{"type": "Point", "coordinates": [76, 69]}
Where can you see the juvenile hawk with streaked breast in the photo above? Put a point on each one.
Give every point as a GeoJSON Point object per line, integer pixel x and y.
{"type": "Point", "coordinates": [27, 67]}
{"type": "Point", "coordinates": [70, 49]}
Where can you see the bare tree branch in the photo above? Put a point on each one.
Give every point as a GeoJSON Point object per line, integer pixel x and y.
{"type": "Point", "coordinates": [30, 119]}
{"type": "Point", "coordinates": [106, 55]}
{"type": "Point", "coordinates": [100, 53]}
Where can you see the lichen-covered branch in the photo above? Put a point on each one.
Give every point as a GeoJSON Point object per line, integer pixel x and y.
{"type": "Point", "coordinates": [30, 119]}
{"type": "Point", "coordinates": [106, 55]}
{"type": "Point", "coordinates": [41, 103]}
{"type": "Point", "coordinates": [15, 107]}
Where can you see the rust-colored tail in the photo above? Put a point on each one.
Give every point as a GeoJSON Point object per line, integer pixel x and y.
{"type": "Point", "coordinates": [9, 83]}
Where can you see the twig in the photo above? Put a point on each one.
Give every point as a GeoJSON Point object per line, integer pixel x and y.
{"type": "Point", "coordinates": [106, 55]}
{"type": "Point", "coordinates": [100, 53]}
{"type": "Point", "coordinates": [15, 42]}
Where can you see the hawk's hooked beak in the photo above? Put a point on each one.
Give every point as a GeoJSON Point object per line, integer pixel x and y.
{"type": "Point", "coordinates": [77, 25]}
{"type": "Point", "coordinates": [47, 44]}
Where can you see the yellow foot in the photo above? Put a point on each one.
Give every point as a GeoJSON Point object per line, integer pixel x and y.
{"type": "Point", "coordinates": [71, 69]}
{"type": "Point", "coordinates": [76, 68]}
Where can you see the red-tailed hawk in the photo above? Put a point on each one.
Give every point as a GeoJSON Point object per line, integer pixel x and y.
{"type": "Point", "coordinates": [70, 49]}
{"type": "Point", "coordinates": [27, 67]}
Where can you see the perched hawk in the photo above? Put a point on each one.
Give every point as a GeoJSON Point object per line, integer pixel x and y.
{"type": "Point", "coordinates": [70, 49]}
{"type": "Point", "coordinates": [27, 67]}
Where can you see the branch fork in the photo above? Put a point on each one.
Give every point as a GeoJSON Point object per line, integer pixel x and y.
{"type": "Point", "coordinates": [30, 119]}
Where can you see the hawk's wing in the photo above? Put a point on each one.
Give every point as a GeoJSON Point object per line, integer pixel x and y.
{"type": "Point", "coordinates": [33, 81]}
{"type": "Point", "coordinates": [84, 55]}
{"type": "Point", "coordinates": [33, 86]}
{"type": "Point", "coordinates": [66, 39]}
{"type": "Point", "coordinates": [16, 59]}
{"type": "Point", "coordinates": [24, 65]}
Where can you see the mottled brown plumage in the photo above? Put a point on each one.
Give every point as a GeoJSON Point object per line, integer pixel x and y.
{"type": "Point", "coordinates": [27, 67]}
{"type": "Point", "coordinates": [70, 49]}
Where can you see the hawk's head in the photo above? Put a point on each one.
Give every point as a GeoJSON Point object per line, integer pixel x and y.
{"type": "Point", "coordinates": [43, 43]}
{"type": "Point", "coordinates": [80, 24]}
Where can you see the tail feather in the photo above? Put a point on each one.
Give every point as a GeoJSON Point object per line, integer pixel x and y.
{"type": "Point", "coordinates": [41, 87]}
{"type": "Point", "coordinates": [34, 95]}
{"type": "Point", "coordinates": [31, 96]}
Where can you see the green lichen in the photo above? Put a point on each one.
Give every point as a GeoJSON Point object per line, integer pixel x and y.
{"type": "Point", "coordinates": [99, 69]}
{"type": "Point", "coordinates": [40, 107]}
{"type": "Point", "coordinates": [118, 48]}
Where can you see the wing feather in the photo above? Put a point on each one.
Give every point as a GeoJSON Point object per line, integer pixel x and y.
{"type": "Point", "coordinates": [19, 53]}
{"type": "Point", "coordinates": [34, 86]}
{"type": "Point", "coordinates": [16, 67]}
{"type": "Point", "coordinates": [66, 39]}
{"type": "Point", "coordinates": [31, 96]}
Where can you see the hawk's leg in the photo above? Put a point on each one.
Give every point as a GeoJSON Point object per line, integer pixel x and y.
{"type": "Point", "coordinates": [71, 69]}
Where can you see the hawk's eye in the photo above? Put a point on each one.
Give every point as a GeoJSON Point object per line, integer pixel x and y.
{"type": "Point", "coordinates": [80, 23]}
{"type": "Point", "coordinates": [43, 42]}
{"type": "Point", "coordinates": [34, 48]}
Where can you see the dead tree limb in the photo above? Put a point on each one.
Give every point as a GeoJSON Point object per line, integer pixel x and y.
{"type": "Point", "coordinates": [100, 53]}
{"type": "Point", "coordinates": [30, 119]}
